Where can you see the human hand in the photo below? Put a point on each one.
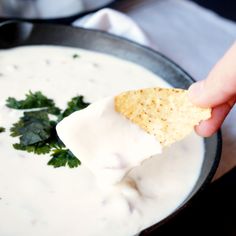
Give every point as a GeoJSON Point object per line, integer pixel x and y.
{"type": "Point", "coordinates": [217, 91]}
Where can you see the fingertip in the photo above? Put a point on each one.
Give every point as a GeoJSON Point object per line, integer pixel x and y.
{"type": "Point", "coordinates": [205, 129]}
{"type": "Point", "coordinates": [209, 127]}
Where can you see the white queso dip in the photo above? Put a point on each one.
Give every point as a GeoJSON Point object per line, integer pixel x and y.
{"type": "Point", "coordinates": [38, 199]}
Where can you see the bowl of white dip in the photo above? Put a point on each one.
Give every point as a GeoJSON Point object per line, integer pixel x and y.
{"type": "Point", "coordinates": [41, 200]}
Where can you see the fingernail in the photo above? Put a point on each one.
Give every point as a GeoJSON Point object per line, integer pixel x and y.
{"type": "Point", "coordinates": [195, 91]}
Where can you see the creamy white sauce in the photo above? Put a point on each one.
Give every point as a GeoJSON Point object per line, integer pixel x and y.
{"type": "Point", "coordinates": [36, 199]}
{"type": "Point", "coordinates": [106, 142]}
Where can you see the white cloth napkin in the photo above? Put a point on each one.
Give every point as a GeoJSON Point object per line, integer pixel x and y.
{"type": "Point", "coordinates": [114, 22]}
{"type": "Point", "coordinates": [195, 38]}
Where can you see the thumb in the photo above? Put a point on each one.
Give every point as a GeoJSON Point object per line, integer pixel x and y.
{"type": "Point", "coordinates": [220, 85]}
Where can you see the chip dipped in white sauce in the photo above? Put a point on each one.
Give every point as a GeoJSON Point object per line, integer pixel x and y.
{"type": "Point", "coordinates": [105, 141]}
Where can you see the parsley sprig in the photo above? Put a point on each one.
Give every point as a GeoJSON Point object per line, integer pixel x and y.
{"type": "Point", "coordinates": [37, 131]}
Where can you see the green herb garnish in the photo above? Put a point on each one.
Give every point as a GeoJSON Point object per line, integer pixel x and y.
{"type": "Point", "coordinates": [76, 56]}
{"type": "Point", "coordinates": [63, 157]}
{"type": "Point", "coordinates": [33, 100]}
{"type": "Point", "coordinates": [37, 131]}
{"type": "Point", "coordinates": [2, 130]}
{"type": "Point", "coordinates": [37, 148]}
{"type": "Point", "coordinates": [75, 104]}
{"type": "Point", "coordinates": [33, 129]}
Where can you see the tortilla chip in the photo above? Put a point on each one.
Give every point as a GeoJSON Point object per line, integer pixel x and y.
{"type": "Point", "coordinates": [165, 113]}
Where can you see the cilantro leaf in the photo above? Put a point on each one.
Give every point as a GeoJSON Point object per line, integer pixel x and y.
{"type": "Point", "coordinates": [75, 104]}
{"type": "Point", "coordinates": [39, 148]}
{"type": "Point", "coordinates": [2, 130]}
{"type": "Point", "coordinates": [63, 157]}
{"type": "Point", "coordinates": [33, 100]}
{"type": "Point", "coordinates": [37, 132]}
{"type": "Point", "coordinates": [76, 56]}
{"type": "Point", "coordinates": [15, 129]}
{"type": "Point", "coordinates": [32, 128]}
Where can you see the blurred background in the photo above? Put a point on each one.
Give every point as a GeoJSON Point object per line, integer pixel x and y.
{"type": "Point", "coordinates": [226, 8]}
{"type": "Point", "coordinates": [60, 8]}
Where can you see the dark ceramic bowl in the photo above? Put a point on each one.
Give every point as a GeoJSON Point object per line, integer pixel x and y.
{"type": "Point", "coordinates": [16, 34]}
